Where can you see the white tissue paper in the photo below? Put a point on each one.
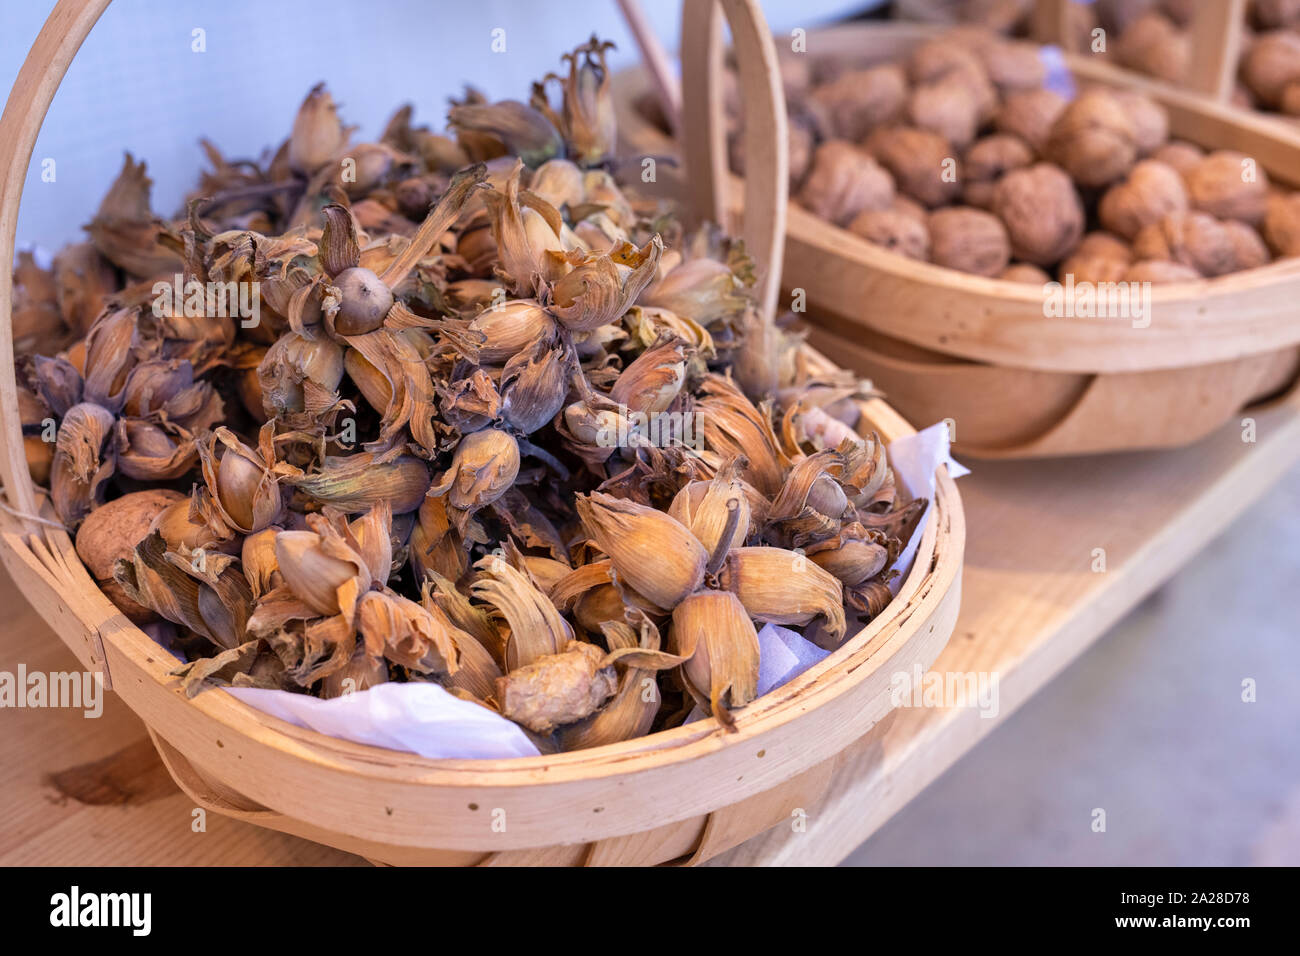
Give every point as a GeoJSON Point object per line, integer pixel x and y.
{"type": "Point", "coordinates": [424, 719]}
{"type": "Point", "coordinates": [420, 718]}
{"type": "Point", "coordinates": [915, 459]}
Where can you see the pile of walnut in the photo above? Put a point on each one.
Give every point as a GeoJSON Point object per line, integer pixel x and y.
{"type": "Point", "coordinates": [1153, 37]}
{"type": "Point", "coordinates": [960, 155]}
{"type": "Point", "coordinates": [498, 425]}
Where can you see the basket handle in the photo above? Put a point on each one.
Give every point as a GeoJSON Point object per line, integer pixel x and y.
{"type": "Point", "coordinates": [703, 131]}
{"type": "Point", "coordinates": [29, 100]}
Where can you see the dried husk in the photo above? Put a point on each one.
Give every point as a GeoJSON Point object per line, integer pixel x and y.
{"type": "Point", "coordinates": [713, 632]}
{"type": "Point", "coordinates": [355, 483]}
{"type": "Point", "coordinates": [652, 552]}
{"type": "Point", "coordinates": [405, 633]}
{"type": "Point", "coordinates": [630, 713]}
{"type": "Point", "coordinates": [536, 628]}
{"type": "Point", "coordinates": [600, 288]}
{"type": "Point", "coordinates": [84, 460]}
{"type": "Point", "coordinates": [784, 587]}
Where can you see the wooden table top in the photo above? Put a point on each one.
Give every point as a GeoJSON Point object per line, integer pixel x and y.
{"type": "Point", "coordinates": [81, 791]}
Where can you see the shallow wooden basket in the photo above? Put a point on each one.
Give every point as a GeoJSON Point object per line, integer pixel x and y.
{"type": "Point", "coordinates": [1014, 383]}
{"type": "Point", "coordinates": [682, 795]}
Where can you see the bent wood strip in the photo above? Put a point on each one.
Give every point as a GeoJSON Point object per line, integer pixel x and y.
{"type": "Point", "coordinates": [29, 100]}
{"type": "Point", "coordinates": [1000, 412]}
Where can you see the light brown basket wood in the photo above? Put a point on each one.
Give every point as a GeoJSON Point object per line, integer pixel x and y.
{"type": "Point", "coordinates": [681, 796]}
{"type": "Point", "coordinates": [942, 341]}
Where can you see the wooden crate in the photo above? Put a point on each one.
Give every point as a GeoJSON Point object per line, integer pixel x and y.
{"type": "Point", "coordinates": [682, 795]}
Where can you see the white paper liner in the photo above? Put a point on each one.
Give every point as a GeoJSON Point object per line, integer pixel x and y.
{"type": "Point", "coordinates": [421, 718]}
{"type": "Point", "coordinates": [424, 719]}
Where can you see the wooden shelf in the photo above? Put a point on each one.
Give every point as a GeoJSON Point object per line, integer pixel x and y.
{"type": "Point", "coordinates": [92, 791]}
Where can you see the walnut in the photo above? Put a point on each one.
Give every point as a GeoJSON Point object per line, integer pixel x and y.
{"type": "Point", "coordinates": [856, 102]}
{"type": "Point", "coordinates": [796, 76]}
{"type": "Point", "coordinates": [1151, 192]}
{"type": "Point", "coordinates": [1249, 250]}
{"type": "Point", "coordinates": [946, 58]}
{"type": "Point", "coordinates": [1180, 11]}
{"type": "Point", "coordinates": [801, 140]}
{"type": "Point", "coordinates": [987, 160]}
{"type": "Point", "coordinates": [1290, 103]}
{"type": "Point", "coordinates": [1282, 224]}
{"type": "Point", "coordinates": [843, 181]}
{"type": "Point", "coordinates": [1119, 14]}
{"type": "Point", "coordinates": [1106, 245]}
{"type": "Point", "coordinates": [1099, 257]}
{"type": "Point", "coordinates": [1179, 154]}
{"type": "Point", "coordinates": [1042, 212]}
{"type": "Point", "coordinates": [1271, 14]}
{"type": "Point", "coordinates": [896, 230]}
{"type": "Point", "coordinates": [1094, 139]}
{"type": "Point", "coordinates": [1195, 239]}
{"type": "Point", "coordinates": [924, 164]}
{"type": "Point", "coordinates": [1030, 115]}
{"type": "Point", "coordinates": [910, 207]}
{"type": "Point", "coordinates": [1149, 119]}
{"type": "Point", "coordinates": [947, 108]}
{"type": "Point", "coordinates": [1271, 64]}
{"type": "Point", "coordinates": [1158, 271]}
{"type": "Point", "coordinates": [1154, 45]}
{"type": "Point", "coordinates": [1024, 272]}
{"type": "Point", "coordinates": [1229, 185]}
{"type": "Point", "coordinates": [1013, 66]}
{"type": "Point", "coordinates": [969, 240]}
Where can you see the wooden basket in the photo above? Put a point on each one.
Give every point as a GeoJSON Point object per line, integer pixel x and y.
{"type": "Point", "coordinates": [682, 795]}
{"type": "Point", "coordinates": [1216, 31]}
{"type": "Point", "coordinates": [945, 344]}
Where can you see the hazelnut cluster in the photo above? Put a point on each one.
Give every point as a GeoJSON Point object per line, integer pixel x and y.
{"type": "Point", "coordinates": [469, 411]}
{"type": "Point", "coordinates": [966, 155]}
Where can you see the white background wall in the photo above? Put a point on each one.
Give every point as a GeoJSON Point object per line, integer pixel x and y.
{"type": "Point", "coordinates": [136, 84]}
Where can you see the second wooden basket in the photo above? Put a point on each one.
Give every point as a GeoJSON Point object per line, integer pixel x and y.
{"type": "Point", "coordinates": [681, 795]}
{"type": "Point", "coordinates": [981, 352]}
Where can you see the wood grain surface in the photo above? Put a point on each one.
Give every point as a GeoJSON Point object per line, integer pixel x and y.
{"type": "Point", "coordinates": [86, 791]}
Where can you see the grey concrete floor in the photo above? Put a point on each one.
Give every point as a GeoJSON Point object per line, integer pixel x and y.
{"type": "Point", "coordinates": [1149, 726]}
